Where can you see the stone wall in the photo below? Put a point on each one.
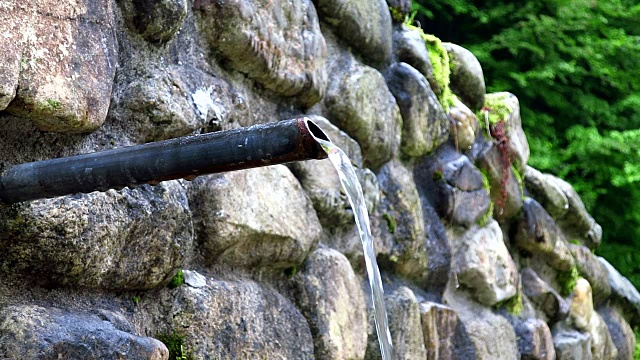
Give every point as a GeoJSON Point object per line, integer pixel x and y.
{"type": "Point", "coordinates": [482, 256]}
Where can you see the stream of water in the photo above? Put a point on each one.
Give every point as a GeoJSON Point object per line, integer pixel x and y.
{"type": "Point", "coordinates": [353, 189]}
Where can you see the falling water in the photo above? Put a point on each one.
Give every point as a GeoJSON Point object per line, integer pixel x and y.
{"type": "Point", "coordinates": [353, 189]}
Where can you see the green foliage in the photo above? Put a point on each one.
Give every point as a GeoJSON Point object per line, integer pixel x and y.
{"type": "Point", "coordinates": [567, 280]}
{"type": "Point", "coordinates": [392, 224]}
{"type": "Point", "coordinates": [177, 280]}
{"type": "Point", "coordinates": [574, 67]}
{"type": "Point", "coordinates": [513, 305]}
{"type": "Point", "coordinates": [175, 344]}
{"type": "Point", "coordinates": [636, 352]}
{"type": "Point", "coordinates": [135, 299]}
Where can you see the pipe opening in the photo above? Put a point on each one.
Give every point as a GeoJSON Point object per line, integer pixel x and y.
{"type": "Point", "coordinates": [315, 130]}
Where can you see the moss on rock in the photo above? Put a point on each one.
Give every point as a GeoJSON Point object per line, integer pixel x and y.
{"type": "Point", "coordinates": [497, 107]}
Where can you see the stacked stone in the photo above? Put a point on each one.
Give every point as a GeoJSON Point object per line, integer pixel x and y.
{"type": "Point", "coordinates": [267, 263]}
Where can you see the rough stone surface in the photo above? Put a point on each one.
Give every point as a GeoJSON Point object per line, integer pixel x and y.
{"type": "Point", "coordinates": [518, 144]}
{"type": "Point", "coordinates": [424, 124]}
{"type": "Point", "coordinates": [621, 333]}
{"type": "Point", "coordinates": [547, 192]}
{"type": "Point", "coordinates": [487, 157]}
{"type": "Point", "coordinates": [238, 319]}
{"type": "Point", "coordinates": [467, 79]}
{"type": "Point", "coordinates": [330, 297]}
{"type": "Point", "coordinates": [132, 239]}
{"type": "Point", "coordinates": [483, 264]}
{"type": "Point", "coordinates": [399, 9]}
{"type": "Point", "coordinates": [464, 127]}
{"type": "Point", "coordinates": [156, 21]}
{"type": "Point", "coordinates": [409, 47]}
{"type": "Point", "coordinates": [592, 270]}
{"type": "Point", "coordinates": [571, 344]}
{"type": "Point", "coordinates": [257, 217]}
{"type": "Point", "coordinates": [439, 326]}
{"type": "Point", "coordinates": [534, 340]}
{"type": "Point", "coordinates": [364, 24]}
{"type": "Point", "coordinates": [405, 326]}
{"type": "Point", "coordinates": [61, 80]}
{"type": "Point", "coordinates": [402, 229]}
{"type": "Point", "coordinates": [279, 44]}
{"type": "Point", "coordinates": [552, 306]}
{"type": "Point", "coordinates": [361, 104]}
{"type": "Point", "coordinates": [30, 332]}
{"type": "Point", "coordinates": [623, 291]}
{"type": "Point", "coordinates": [577, 223]}
{"type": "Point", "coordinates": [538, 234]}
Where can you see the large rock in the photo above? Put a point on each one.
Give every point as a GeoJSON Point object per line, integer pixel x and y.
{"type": "Point", "coordinates": [399, 9]}
{"type": "Point", "coordinates": [330, 297]}
{"type": "Point", "coordinates": [576, 222]}
{"type": "Point", "coordinates": [156, 21]}
{"type": "Point", "coordinates": [279, 44]}
{"type": "Point", "coordinates": [409, 47]}
{"type": "Point", "coordinates": [402, 239]}
{"type": "Point", "coordinates": [256, 217]}
{"type": "Point", "coordinates": [592, 270]}
{"type": "Point", "coordinates": [121, 240]}
{"type": "Point", "coordinates": [237, 319]}
{"type": "Point", "coordinates": [534, 340]}
{"type": "Point", "coordinates": [537, 233]}
{"type": "Point", "coordinates": [424, 124]}
{"type": "Point", "coordinates": [35, 332]}
{"type": "Point", "coordinates": [551, 305]}
{"type": "Point", "coordinates": [623, 292]}
{"type": "Point", "coordinates": [57, 62]}
{"type": "Point", "coordinates": [364, 24]}
{"type": "Point", "coordinates": [547, 191]}
{"type": "Point", "coordinates": [506, 190]}
{"type": "Point", "coordinates": [404, 324]}
{"type": "Point", "coordinates": [464, 127]}
{"type": "Point", "coordinates": [467, 79]}
{"type": "Point", "coordinates": [439, 326]}
{"type": "Point", "coordinates": [361, 104]}
{"type": "Point", "coordinates": [571, 344]}
{"type": "Point", "coordinates": [482, 263]}
{"type": "Point", "coordinates": [621, 332]}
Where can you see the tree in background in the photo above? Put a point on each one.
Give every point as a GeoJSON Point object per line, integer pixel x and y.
{"type": "Point", "coordinates": [575, 67]}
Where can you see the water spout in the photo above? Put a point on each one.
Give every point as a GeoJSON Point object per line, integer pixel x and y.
{"type": "Point", "coordinates": [186, 157]}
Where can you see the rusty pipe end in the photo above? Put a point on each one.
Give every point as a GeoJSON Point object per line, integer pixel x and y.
{"type": "Point", "coordinates": [312, 135]}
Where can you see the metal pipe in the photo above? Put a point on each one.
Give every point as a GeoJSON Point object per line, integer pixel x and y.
{"type": "Point", "coordinates": [186, 157]}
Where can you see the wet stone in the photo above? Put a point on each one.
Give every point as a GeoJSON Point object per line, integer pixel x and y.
{"type": "Point", "coordinates": [60, 80]}
{"type": "Point", "coordinates": [258, 217]}
{"type": "Point", "coordinates": [30, 332]}
{"type": "Point", "coordinates": [330, 297]}
{"type": "Point", "coordinates": [467, 79]}
{"type": "Point", "coordinates": [278, 44]}
{"type": "Point", "coordinates": [409, 47]}
{"type": "Point", "coordinates": [361, 104]}
{"type": "Point", "coordinates": [424, 124]}
{"type": "Point", "coordinates": [156, 21]}
{"type": "Point", "coordinates": [364, 24]}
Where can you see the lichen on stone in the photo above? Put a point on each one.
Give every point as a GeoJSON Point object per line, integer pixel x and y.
{"type": "Point", "coordinates": [497, 109]}
{"type": "Point", "coordinates": [392, 224]}
{"type": "Point", "coordinates": [512, 305]}
{"type": "Point", "coordinates": [567, 280]}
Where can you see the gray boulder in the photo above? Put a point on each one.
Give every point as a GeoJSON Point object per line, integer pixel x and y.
{"type": "Point", "coordinates": [439, 326]}
{"type": "Point", "coordinates": [537, 233]}
{"type": "Point", "coordinates": [483, 264]}
{"type": "Point", "coordinates": [61, 80]}
{"type": "Point", "coordinates": [330, 297]}
{"type": "Point", "coordinates": [360, 103]}
{"type": "Point", "coordinates": [534, 340]}
{"type": "Point", "coordinates": [120, 240]}
{"type": "Point", "coordinates": [623, 292]}
{"type": "Point", "coordinates": [399, 9]}
{"type": "Point", "coordinates": [424, 124]}
{"type": "Point", "coordinates": [571, 344]}
{"type": "Point", "coordinates": [364, 24]}
{"type": "Point", "coordinates": [467, 79]}
{"type": "Point", "coordinates": [256, 217]}
{"type": "Point", "coordinates": [551, 306]}
{"type": "Point", "coordinates": [621, 332]}
{"type": "Point", "coordinates": [156, 21]}
{"type": "Point", "coordinates": [464, 127]}
{"type": "Point", "coordinates": [31, 331]}
{"type": "Point", "coordinates": [409, 47]}
{"type": "Point", "coordinates": [277, 44]}
{"type": "Point", "coordinates": [592, 270]}
{"type": "Point", "coordinates": [402, 232]}
{"type": "Point", "coordinates": [547, 191]}
{"type": "Point", "coordinates": [577, 223]}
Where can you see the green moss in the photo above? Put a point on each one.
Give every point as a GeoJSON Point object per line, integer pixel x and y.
{"type": "Point", "coordinates": [292, 271]}
{"type": "Point", "coordinates": [497, 107]}
{"type": "Point", "coordinates": [438, 175]}
{"type": "Point", "coordinates": [391, 222]}
{"type": "Point", "coordinates": [441, 67]}
{"type": "Point", "coordinates": [513, 305]}
{"type": "Point", "coordinates": [487, 186]}
{"type": "Point", "coordinates": [484, 220]}
{"type": "Point", "coordinates": [54, 104]}
{"type": "Point", "coordinates": [575, 242]}
{"type": "Point", "coordinates": [175, 344]}
{"type": "Point", "coordinates": [520, 179]}
{"type": "Point", "coordinates": [567, 280]}
{"type": "Point", "coordinates": [396, 14]}
{"type": "Point", "coordinates": [135, 299]}
{"type": "Point", "coordinates": [177, 280]}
